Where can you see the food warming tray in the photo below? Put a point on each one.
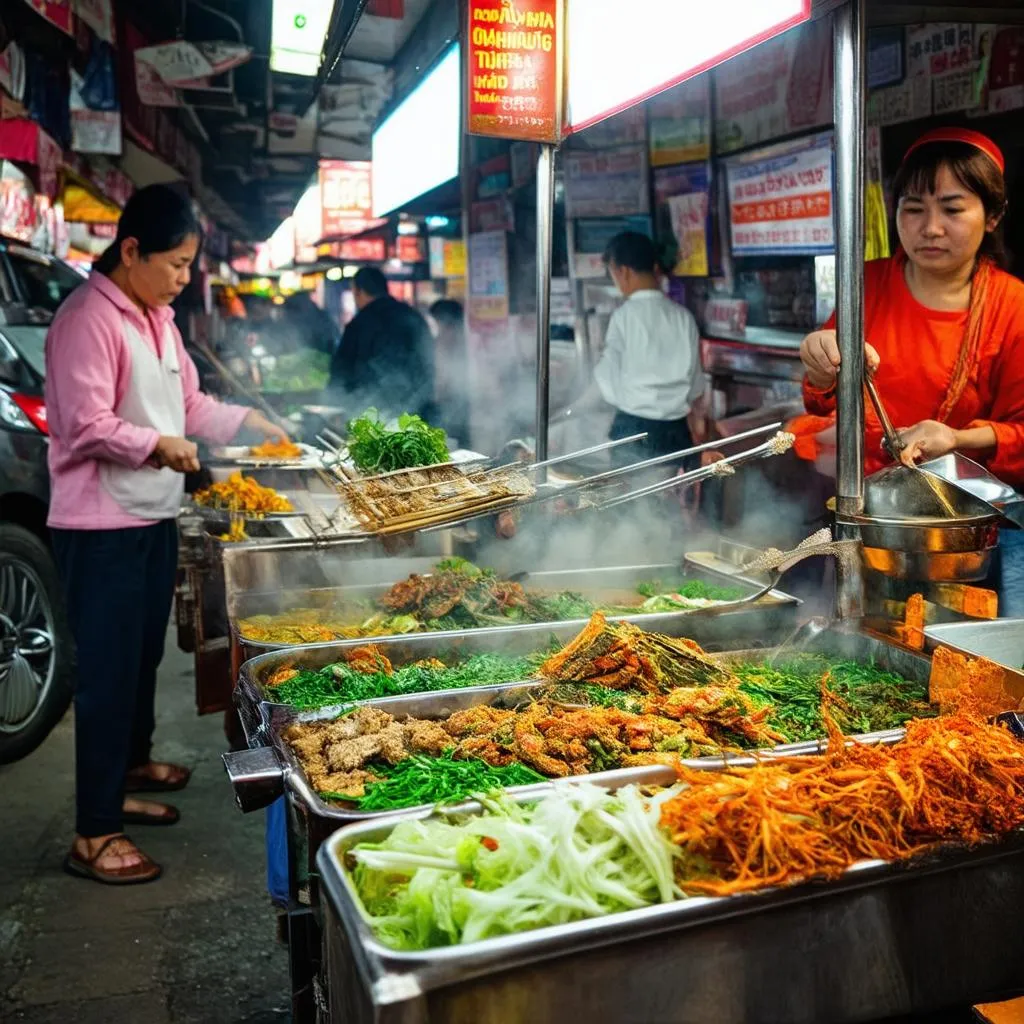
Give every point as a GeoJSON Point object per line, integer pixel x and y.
{"type": "Point", "coordinates": [610, 585]}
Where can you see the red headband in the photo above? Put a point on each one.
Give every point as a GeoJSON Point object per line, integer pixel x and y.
{"type": "Point", "coordinates": [965, 135]}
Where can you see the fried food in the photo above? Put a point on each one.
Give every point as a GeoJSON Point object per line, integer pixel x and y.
{"type": "Point", "coordinates": [242, 494]}
{"type": "Point", "coordinates": [622, 656]}
{"type": "Point", "coordinates": [276, 450]}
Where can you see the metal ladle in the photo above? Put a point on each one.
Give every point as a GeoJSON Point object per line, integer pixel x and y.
{"type": "Point", "coordinates": [895, 445]}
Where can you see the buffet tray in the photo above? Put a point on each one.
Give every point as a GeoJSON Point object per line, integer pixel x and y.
{"type": "Point", "coordinates": [703, 958]}
{"type": "Point", "coordinates": [270, 766]}
{"type": "Point", "coordinates": [772, 613]}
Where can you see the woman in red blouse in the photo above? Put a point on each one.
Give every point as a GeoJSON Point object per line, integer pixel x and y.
{"type": "Point", "coordinates": [944, 325]}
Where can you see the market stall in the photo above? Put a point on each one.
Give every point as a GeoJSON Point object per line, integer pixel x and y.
{"type": "Point", "coordinates": [389, 955]}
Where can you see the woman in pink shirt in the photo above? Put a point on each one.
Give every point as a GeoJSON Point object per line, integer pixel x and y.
{"type": "Point", "coordinates": [123, 397]}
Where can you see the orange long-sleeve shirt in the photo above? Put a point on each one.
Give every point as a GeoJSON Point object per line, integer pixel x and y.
{"type": "Point", "coordinates": [918, 348]}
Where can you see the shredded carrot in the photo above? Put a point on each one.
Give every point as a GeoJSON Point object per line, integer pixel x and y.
{"type": "Point", "coordinates": [786, 820]}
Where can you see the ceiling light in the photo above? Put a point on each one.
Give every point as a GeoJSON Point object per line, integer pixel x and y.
{"type": "Point", "coordinates": [299, 29]}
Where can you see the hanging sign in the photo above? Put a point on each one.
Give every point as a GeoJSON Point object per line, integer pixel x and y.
{"type": "Point", "coordinates": [12, 71]}
{"type": "Point", "coordinates": [782, 87]}
{"type": "Point", "coordinates": [56, 12]}
{"type": "Point", "coordinates": [92, 130]}
{"type": "Point", "coordinates": [621, 54]}
{"type": "Point", "coordinates": [98, 15]}
{"type": "Point", "coordinates": [780, 200]}
{"type": "Point", "coordinates": [346, 197]}
{"type": "Point", "coordinates": [513, 69]}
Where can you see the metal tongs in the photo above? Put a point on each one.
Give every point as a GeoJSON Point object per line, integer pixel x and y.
{"type": "Point", "coordinates": [891, 440]}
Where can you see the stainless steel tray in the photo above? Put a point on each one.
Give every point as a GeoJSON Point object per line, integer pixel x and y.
{"type": "Point", "coordinates": [702, 959]}
{"type": "Point", "coordinates": [257, 782]}
{"type": "Point", "coordinates": [998, 640]}
{"type": "Point", "coordinates": [769, 615]}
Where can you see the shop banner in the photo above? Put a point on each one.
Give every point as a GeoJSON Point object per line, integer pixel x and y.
{"type": "Point", "coordinates": [610, 184]}
{"type": "Point", "coordinates": [99, 16]}
{"type": "Point", "coordinates": [48, 157]}
{"type": "Point", "coordinates": [17, 203]}
{"type": "Point", "coordinates": [92, 131]}
{"type": "Point", "coordinates": [152, 89]}
{"type": "Point", "coordinates": [346, 197]}
{"type": "Point", "coordinates": [689, 215]}
{"type": "Point", "coordinates": [488, 277]}
{"type": "Point", "coordinates": [681, 124]}
{"type": "Point", "coordinates": [12, 71]}
{"type": "Point", "coordinates": [681, 182]}
{"type": "Point", "coordinates": [780, 200]}
{"type": "Point", "coordinates": [447, 258]}
{"type": "Point", "coordinates": [513, 69]}
{"type": "Point", "coordinates": [780, 87]}
{"type": "Point", "coordinates": [1005, 85]}
{"type": "Point", "coordinates": [56, 12]}
{"type": "Point", "coordinates": [363, 250]}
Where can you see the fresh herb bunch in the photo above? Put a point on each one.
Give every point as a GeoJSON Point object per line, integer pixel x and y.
{"type": "Point", "coordinates": [420, 780]}
{"type": "Point", "coordinates": [375, 449]}
{"type": "Point", "coordinates": [342, 684]}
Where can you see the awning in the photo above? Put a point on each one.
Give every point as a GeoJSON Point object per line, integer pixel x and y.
{"type": "Point", "coordinates": [23, 141]}
{"type": "Point", "coordinates": [84, 205]}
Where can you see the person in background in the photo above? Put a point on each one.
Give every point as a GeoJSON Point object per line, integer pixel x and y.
{"type": "Point", "coordinates": [385, 359]}
{"type": "Point", "coordinates": [309, 326]}
{"type": "Point", "coordinates": [122, 397]}
{"type": "Point", "coordinates": [650, 370]}
{"type": "Point", "coordinates": [944, 328]}
{"type": "Point", "coordinates": [452, 361]}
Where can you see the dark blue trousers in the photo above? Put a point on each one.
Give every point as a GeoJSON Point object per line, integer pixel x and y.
{"type": "Point", "coordinates": [118, 585]}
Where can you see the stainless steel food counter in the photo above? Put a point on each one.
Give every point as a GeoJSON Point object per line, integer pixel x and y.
{"type": "Point", "coordinates": [881, 941]}
{"type": "Point", "coordinates": [270, 767]}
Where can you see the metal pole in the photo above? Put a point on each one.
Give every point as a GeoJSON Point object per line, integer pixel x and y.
{"type": "Point", "coordinates": [545, 235]}
{"type": "Point", "coordinates": [849, 99]}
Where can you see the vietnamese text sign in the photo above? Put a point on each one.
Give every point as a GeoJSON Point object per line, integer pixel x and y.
{"type": "Point", "coordinates": [780, 200]}
{"type": "Point", "coordinates": [488, 276]}
{"type": "Point", "coordinates": [346, 197]}
{"type": "Point", "coordinates": [610, 184]}
{"type": "Point", "coordinates": [514, 69]}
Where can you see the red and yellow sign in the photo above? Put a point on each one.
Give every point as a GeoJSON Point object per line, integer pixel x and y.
{"type": "Point", "coordinates": [514, 69]}
{"type": "Point", "coordinates": [345, 197]}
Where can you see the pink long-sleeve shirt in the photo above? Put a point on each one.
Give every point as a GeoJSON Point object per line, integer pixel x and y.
{"type": "Point", "coordinates": [88, 372]}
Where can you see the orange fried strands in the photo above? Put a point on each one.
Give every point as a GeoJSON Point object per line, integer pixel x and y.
{"type": "Point", "coordinates": [243, 494]}
{"type": "Point", "coordinates": [787, 820]}
{"type": "Point", "coordinates": [276, 450]}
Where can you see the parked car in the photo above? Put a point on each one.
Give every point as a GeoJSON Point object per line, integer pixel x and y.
{"type": "Point", "coordinates": [36, 649]}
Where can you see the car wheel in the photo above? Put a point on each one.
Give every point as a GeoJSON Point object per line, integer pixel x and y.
{"type": "Point", "coordinates": [37, 662]}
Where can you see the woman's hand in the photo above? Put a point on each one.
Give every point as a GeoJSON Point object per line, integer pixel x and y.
{"type": "Point", "coordinates": [819, 352]}
{"type": "Point", "coordinates": [927, 440]}
{"type": "Point", "coordinates": [177, 453]}
{"type": "Point", "coordinates": [260, 424]}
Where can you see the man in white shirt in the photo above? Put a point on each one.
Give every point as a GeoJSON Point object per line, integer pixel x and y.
{"type": "Point", "coordinates": [650, 371]}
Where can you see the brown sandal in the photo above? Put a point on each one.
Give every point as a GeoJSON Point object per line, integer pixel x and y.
{"type": "Point", "coordinates": [166, 815]}
{"type": "Point", "coordinates": [139, 781]}
{"type": "Point", "coordinates": [85, 867]}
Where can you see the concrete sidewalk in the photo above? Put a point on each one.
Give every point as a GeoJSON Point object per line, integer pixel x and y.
{"type": "Point", "coordinates": [196, 947]}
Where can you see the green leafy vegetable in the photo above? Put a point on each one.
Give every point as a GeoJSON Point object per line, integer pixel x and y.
{"type": "Point", "coordinates": [342, 684]}
{"type": "Point", "coordinates": [868, 698]}
{"type": "Point", "coordinates": [439, 780]}
{"type": "Point", "coordinates": [579, 853]}
{"type": "Point", "coordinates": [376, 449]}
